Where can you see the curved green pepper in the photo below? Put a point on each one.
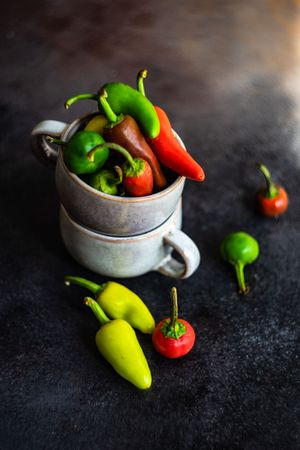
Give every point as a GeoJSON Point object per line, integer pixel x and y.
{"type": "Point", "coordinates": [123, 99]}
{"type": "Point", "coordinates": [118, 344]}
{"type": "Point", "coordinates": [76, 152]}
{"type": "Point", "coordinates": [118, 302]}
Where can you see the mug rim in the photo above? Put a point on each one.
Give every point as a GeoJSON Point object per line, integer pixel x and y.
{"type": "Point", "coordinates": [179, 180]}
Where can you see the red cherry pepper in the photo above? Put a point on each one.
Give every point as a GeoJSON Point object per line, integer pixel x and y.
{"type": "Point", "coordinates": [137, 173]}
{"type": "Point", "coordinates": [167, 148]}
{"type": "Point", "coordinates": [272, 200]}
{"type": "Point", "coordinates": [173, 337]}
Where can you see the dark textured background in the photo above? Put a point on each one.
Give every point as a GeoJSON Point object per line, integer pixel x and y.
{"type": "Point", "coordinates": [228, 74]}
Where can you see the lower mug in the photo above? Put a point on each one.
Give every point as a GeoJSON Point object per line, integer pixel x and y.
{"type": "Point", "coordinates": [124, 257]}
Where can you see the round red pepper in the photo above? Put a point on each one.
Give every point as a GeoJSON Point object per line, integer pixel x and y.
{"type": "Point", "coordinates": [138, 179]}
{"type": "Point", "coordinates": [173, 337]}
{"type": "Point", "coordinates": [272, 200]}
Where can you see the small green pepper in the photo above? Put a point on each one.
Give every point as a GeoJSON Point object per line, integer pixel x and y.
{"type": "Point", "coordinates": [240, 249]}
{"type": "Point", "coordinates": [123, 99]}
{"type": "Point", "coordinates": [106, 180]}
{"type": "Point", "coordinates": [75, 152]}
{"type": "Point", "coordinates": [118, 302]}
{"type": "Point", "coordinates": [118, 344]}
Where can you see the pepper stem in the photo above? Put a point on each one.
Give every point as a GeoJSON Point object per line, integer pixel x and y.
{"type": "Point", "coordinates": [239, 270]}
{"type": "Point", "coordinates": [174, 316]}
{"type": "Point", "coordinates": [114, 146]}
{"type": "Point", "coordinates": [54, 140]}
{"type": "Point", "coordinates": [272, 190]}
{"type": "Point", "coordinates": [97, 310]}
{"type": "Point", "coordinates": [140, 81]}
{"type": "Point", "coordinates": [112, 117]}
{"type": "Point", "coordinates": [119, 173]}
{"type": "Point", "coordinates": [83, 282]}
{"type": "Point", "coordinates": [75, 99]}
{"type": "Point", "coordinates": [173, 328]}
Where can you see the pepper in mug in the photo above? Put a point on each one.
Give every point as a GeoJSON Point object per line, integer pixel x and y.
{"type": "Point", "coordinates": [76, 150]}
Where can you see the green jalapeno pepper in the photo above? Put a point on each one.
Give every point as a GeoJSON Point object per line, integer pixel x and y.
{"type": "Point", "coordinates": [118, 344]}
{"type": "Point", "coordinates": [118, 302]}
{"type": "Point", "coordinates": [76, 150]}
{"type": "Point", "coordinates": [123, 99]}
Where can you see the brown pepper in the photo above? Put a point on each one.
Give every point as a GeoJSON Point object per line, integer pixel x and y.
{"type": "Point", "coordinates": [127, 134]}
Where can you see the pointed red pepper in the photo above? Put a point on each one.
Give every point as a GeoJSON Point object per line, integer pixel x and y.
{"type": "Point", "coordinates": [272, 200]}
{"type": "Point", "coordinates": [137, 173]}
{"type": "Point", "coordinates": [173, 337]}
{"type": "Point", "coordinates": [167, 148]}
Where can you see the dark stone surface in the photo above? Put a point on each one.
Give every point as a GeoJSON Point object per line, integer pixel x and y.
{"type": "Point", "coordinates": [228, 75]}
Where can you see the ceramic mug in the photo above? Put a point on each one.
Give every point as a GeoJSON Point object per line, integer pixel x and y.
{"type": "Point", "coordinates": [108, 214]}
{"type": "Point", "coordinates": [124, 257]}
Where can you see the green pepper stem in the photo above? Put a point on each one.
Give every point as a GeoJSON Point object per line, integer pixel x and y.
{"type": "Point", "coordinates": [174, 316]}
{"type": "Point", "coordinates": [173, 328]}
{"type": "Point", "coordinates": [97, 310]}
{"type": "Point", "coordinates": [112, 145]}
{"type": "Point", "coordinates": [54, 140]}
{"type": "Point", "coordinates": [119, 173]}
{"type": "Point", "coordinates": [239, 270]}
{"type": "Point", "coordinates": [140, 81]}
{"type": "Point", "coordinates": [272, 190]}
{"type": "Point", "coordinates": [111, 116]}
{"type": "Point", "coordinates": [83, 282]}
{"type": "Point", "coordinates": [75, 99]}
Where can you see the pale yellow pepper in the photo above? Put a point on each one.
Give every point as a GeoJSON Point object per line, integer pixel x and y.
{"type": "Point", "coordinates": [117, 342]}
{"type": "Point", "coordinates": [97, 124]}
{"type": "Point", "coordinates": [119, 302]}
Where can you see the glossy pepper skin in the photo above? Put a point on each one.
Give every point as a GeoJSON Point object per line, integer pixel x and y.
{"type": "Point", "coordinates": [75, 152]}
{"type": "Point", "coordinates": [118, 344]}
{"type": "Point", "coordinates": [166, 147]}
{"type": "Point", "coordinates": [173, 337]}
{"type": "Point", "coordinates": [118, 302]}
{"type": "Point", "coordinates": [126, 100]}
{"type": "Point", "coordinates": [239, 249]}
{"type": "Point", "coordinates": [137, 173]}
{"type": "Point", "coordinates": [272, 200]}
{"type": "Point", "coordinates": [124, 130]}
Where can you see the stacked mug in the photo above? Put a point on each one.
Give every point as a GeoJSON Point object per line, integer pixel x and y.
{"type": "Point", "coordinates": [116, 236]}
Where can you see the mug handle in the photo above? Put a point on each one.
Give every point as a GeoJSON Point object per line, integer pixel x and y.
{"type": "Point", "coordinates": [40, 147]}
{"type": "Point", "coordinates": [188, 251]}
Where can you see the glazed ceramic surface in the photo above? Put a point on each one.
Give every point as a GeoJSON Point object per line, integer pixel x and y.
{"type": "Point", "coordinates": [108, 214]}
{"type": "Point", "coordinates": [123, 257]}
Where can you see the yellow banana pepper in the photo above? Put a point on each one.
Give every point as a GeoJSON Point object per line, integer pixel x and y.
{"type": "Point", "coordinates": [97, 124]}
{"type": "Point", "coordinates": [118, 344]}
{"type": "Point", "coordinates": [118, 302]}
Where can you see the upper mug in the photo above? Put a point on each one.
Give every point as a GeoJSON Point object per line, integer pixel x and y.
{"type": "Point", "coordinates": [105, 213]}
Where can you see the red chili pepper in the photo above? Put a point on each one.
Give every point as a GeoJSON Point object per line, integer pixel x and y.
{"type": "Point", "coordinates": [272, 200]}
{"type": "Point", "coordinates": [138, 181]}
{"type": "Point", "coordinates": [167, 148]}
{"type": "Point", "coordinates": [173, 337]}
{"type": "Point", "coordinates": [137, 172]}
